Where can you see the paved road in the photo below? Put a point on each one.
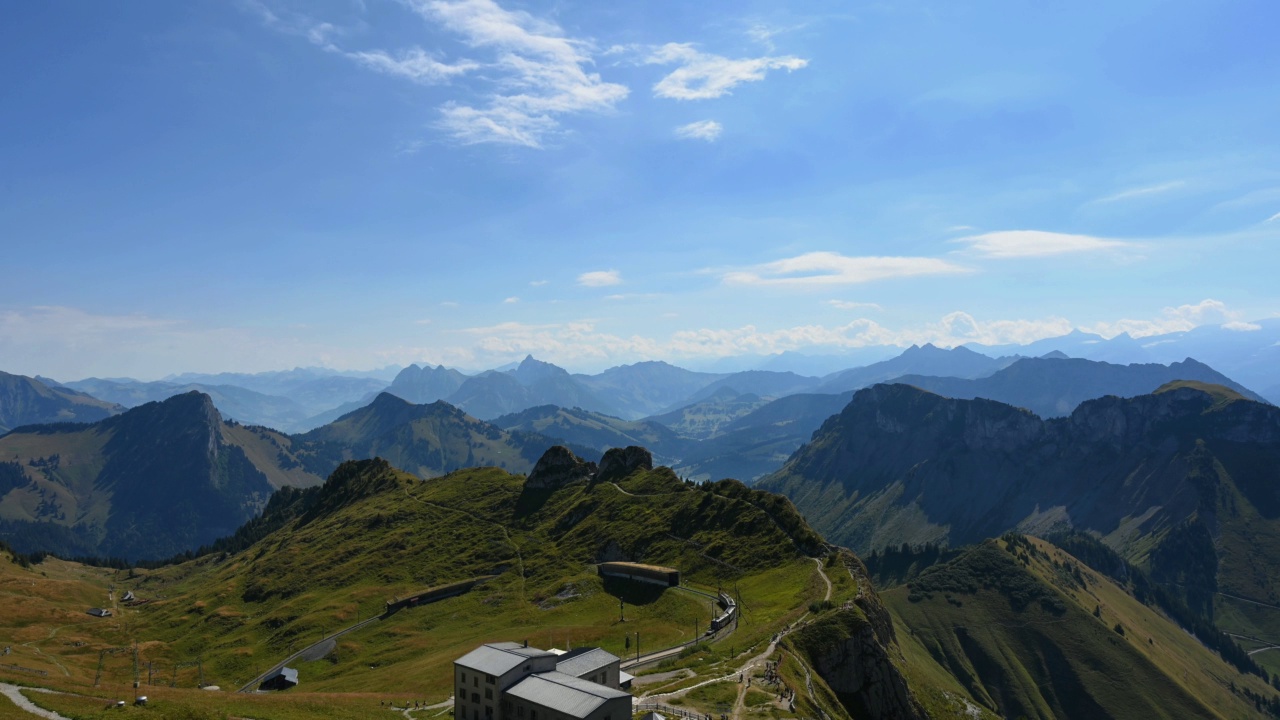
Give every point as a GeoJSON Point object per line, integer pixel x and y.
{"type": "Point", "coordinates": [312, 649]}
{"type": "Point", "coordinates": [12, 692]}
{"type": "Point", "coordinates": [1250, 600]}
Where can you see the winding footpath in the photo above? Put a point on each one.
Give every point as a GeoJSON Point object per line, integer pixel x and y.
{"type": "Point", "coordinates": [822, 574]}
{"type": "Point", "coordinates": [14, 693]}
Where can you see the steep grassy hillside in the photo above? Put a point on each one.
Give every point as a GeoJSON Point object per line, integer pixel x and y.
{"type": "Point", "coordinates": [1026, 630]}
{"type": "Point", "coordinates": [330, 555]}
{"type": "Point", "coordinates": [1183, 482]}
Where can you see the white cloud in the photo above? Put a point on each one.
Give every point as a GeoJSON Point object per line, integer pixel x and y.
{"type": "Point", "coordinates": [702, 76]}
{"type": "Point", "coordinates": [829, 268]}
{"type": "Point", "coordinates": [1142, 192]}
{"type": "Point", "coordinates": [1240, 326]}
{"type": "Point", "coordinates": [1273, 218]}
{"type": "Point", "coordinates": [1174, 319]}
{"type": "Point", "coordinates": [414, 64]}
{"type": "Point", "coordinates": [540, 74]}
{"type": "Point", "coordinates": [535, 74]}
{"type": "Point", "coordinates": [600, 278]}
{"type": "Point", "coordinates": [707, 130]}
{"type": "Point", "coordinates": [538, 283]}
{"type": "Point", "coordinates": [511, 300]}
{"type": "Point", "coordinates": [582, 342]}
{"type": "Point", "coordinates": [1036, 243]}
{"type": "Point", "coordinates": [847, 305]}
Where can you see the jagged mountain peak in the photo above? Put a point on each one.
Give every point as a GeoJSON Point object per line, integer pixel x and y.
{"type": "Point", "coordinates": [531, 370]}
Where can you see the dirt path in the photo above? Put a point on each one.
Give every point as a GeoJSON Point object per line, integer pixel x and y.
{"type": "Point", "coordinates": [52, 634]}
{"type": "Point", "coordinates": [825, 579]}
{"type": "Point", "coordinates": [746, 669]}
{"type": "Point", "coordinates": [14, 693]}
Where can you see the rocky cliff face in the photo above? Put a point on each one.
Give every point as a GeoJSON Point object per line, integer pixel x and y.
{"type": "Point", "coordinates": [618, 463]}
{"type": "Point", "coordinates": [558, 467]}
{"type": "Point", "coordinates": [854, 650]}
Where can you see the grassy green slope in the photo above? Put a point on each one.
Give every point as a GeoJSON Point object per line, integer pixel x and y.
{"type": "Point", "coordinates": [1013, 627]}
{"type": "Point", "coordinates": [373, 533]}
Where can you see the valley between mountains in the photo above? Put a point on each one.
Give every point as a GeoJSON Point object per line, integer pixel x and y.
{"type": "Point", "coordinates": [1031, 537]}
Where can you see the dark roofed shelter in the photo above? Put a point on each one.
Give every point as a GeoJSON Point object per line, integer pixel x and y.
{"type": "Point", "coordinates": [281, 679]}
{"type": "Point", "coordinates": [656, 574]}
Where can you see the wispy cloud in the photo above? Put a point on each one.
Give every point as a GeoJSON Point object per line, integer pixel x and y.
{"type": "Point", "coordinates": [829, 268]}
{"type": "Point", "coordinates": [511, 300]}
{"type": "Point", "coordinates": [413, 64]}
{"type": "Point", "coordinates": [1240, 326]}
{"type": "Point", "coordinates": [541, 74]}
{"type": "Point", "coordinates": [707, 130]}
{"type": "Point", "coordinates": [702, 76]}
{"type": "Point", "coordinates": [847, 305]}
{"type": "Point", "coordinates": [1273, 218]}
{"type": "Point", "coordinates": [764, 34]}
{"type": "Point", "coordinates": [1037, 243]}
{"type": "Point", "coordinates": [1141, 192]}
{"type": "Point", "coordinates": [600, 278]}
{"type": "Point", "coordinates": [535, 73]}
{"type": "Point", "coordinates": [538, 283]}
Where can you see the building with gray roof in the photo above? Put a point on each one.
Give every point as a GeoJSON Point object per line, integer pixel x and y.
{"type": "Point", "coordinates": [508, 681]}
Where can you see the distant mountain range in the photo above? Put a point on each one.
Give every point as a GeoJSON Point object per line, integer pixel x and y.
{"type": "Point", "coordinates": [426, 440]}
{"type": "Point", "coordinates": [27, 401]}
{"type": "Point", "coordinates": [1184, 482]}
{"type": "Point", "coordinates": [958, 362]}
{"type": "Point", "coordinates": [1054, 386]}
{"type": "Point", "coordinates": [166, 477]}
{"type": "Point", "coordinates": [1247, 352]}
{"type": "Point", "coordinates": [304, 398]}
{"type": "Point", "coordinates": [150, 482]}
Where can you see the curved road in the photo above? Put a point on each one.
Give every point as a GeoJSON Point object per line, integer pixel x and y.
{"type": "Point", "coordinates": [14, 693]}
{"type": "Point", "coordinates": [314, 646]}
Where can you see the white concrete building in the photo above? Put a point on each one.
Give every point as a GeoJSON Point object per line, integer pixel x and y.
{"type": "Point", "coordinates": [509, 681]}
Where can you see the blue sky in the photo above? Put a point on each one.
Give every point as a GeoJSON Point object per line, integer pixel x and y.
{"type": "Point", "coordinates": [255, 185]}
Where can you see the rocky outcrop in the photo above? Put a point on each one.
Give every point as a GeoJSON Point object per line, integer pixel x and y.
{"type": "Point", "coordinates": [618, 463]}
{"type": "Point", "coordinates": [558, 467]}
{"type": "Point", "coordinates": [853, 658]}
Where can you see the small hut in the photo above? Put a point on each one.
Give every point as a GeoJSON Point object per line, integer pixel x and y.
{"type": "Point", "coordinates": [281, 679]}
